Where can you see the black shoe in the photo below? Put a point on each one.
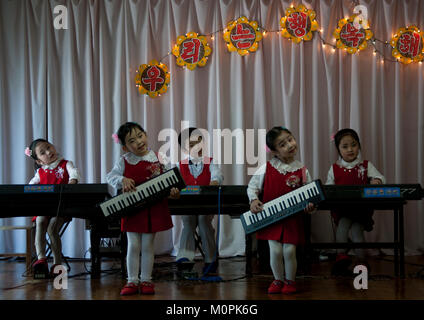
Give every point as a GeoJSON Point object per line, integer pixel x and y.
{"type": "Point", "coordinates": [210, 267]}
{"type": "Point", "coordinates": [184, 264]}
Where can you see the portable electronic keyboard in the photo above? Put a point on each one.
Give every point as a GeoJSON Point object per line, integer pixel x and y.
{"type": "Point", "coordinates": [146, 193]}
{"type": "Point", "coordinates": [283, 207]}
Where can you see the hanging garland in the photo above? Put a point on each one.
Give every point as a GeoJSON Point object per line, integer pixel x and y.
{"type": "Point", "coordinates": [298, 24]}
{"type": "Point", "coordinates": [191, 50]}
{"type": "Point", "coordinates": [349, 37]}
{"type": "Point", "coordinates": [407, 45]}
{"type": "Point", "coordinates": [242, 36]}
{"type": "Point", "coordinates": [152, 79]}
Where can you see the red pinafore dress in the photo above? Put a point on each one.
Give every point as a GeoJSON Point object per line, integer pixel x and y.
{"type": "Point", "coordinates": [58, 175]}
{"type": "Point", "coordinates": [276, 184]}
{"type": "Point", "coordinates": [154, 218]}
{"type": "Point", "coordinates": [354, 176]}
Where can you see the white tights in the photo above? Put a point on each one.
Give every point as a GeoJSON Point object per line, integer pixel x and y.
{"type": "Point", "coordinates": [52, 227]}
{"type": "Point", "coordinates": [137, 242]}
{"type": "Point", "coordinates": [279, 265]}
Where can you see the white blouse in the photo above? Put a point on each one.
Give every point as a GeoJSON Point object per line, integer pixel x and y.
{"type": "Point", "coordinates": [373, 173]}
{"type": "Point", "coordinates": [257, 181]}
{"type": "Point", "coordinates": [72, 171]}
{"type": "Point", "coordinates": [114, 177]}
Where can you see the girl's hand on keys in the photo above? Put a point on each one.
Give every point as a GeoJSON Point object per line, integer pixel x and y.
{"type": "Point", "coordinates": [128, 185]}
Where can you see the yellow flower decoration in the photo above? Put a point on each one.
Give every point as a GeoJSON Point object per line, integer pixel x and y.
{"type": "Point", "coordinates": [349, 37]}
{"type": "Point", "coordinates": [242, 36]}
{"type": "Point", "coordinates": [408, 45]}
{"type": "Point", "coordinates": [191, 50]}
{"type": "Point", "coordinates": [152, 79]}
{"type": "Point", "coordinates": [298, 23]}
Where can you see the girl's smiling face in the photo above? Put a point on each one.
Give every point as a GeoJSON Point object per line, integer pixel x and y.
{"type": "Point", "coordinates": [136, 142]}
{"type": "Point", "coordinates": [285, 147]}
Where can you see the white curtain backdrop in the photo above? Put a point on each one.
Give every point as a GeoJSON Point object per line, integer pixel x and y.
{"type": "Point", "coordinates": [76, 87]}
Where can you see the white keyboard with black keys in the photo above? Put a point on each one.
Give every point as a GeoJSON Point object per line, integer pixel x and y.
{"type": "Point", "coordinates": [283, 207]}
{"type": "Point", "coordinates": [146, 193]}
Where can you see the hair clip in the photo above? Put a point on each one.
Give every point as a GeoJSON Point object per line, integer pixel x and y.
{"type": "Point", "coordinates": [115, 138]}
{"type": "Point", "coordinates": [267, 149]}
{"type": "Point", "coordinates": [28, 152]}
{"type": "Point", "coordinates": [333, 135]}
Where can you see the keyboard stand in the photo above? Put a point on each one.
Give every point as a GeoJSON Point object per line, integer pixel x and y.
{"type": "Point", "coordinates": [103, 229]}
{"type": "Point", "coordinates": [398, 244]}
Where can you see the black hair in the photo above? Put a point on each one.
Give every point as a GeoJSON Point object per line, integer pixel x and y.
{"type": "Point", "coordinates": [345, 132]}
{"type": "Point", "coordinates": [33, 145]}
{"type": "Point", "coordinates": [273, 134]}
{"type": "Point", "coordinates": [186, 133]}
{"type": "Point", "coordinates": [127, 128]}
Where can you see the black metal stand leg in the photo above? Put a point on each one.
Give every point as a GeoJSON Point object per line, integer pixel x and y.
{"type": "Point", "coordinates": [401, 244]}
{"type": "Point", "coordinates": [95, 253]}
{"type": "Point", "coordinates": [248, 249]}
{"type": "Point", "coordinates": [396, 240]}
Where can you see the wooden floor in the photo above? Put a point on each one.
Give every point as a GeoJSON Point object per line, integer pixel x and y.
{"type": "Point", "coordinates": [235, 284]}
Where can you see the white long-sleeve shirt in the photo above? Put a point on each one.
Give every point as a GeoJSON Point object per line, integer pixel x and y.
{"type": "Point", "coordinates": [72, 171]}
{"type": "Point", "coordinates": [372, 172]}
{"type": "Point", "coordinates": [115, 176]}
{"type": "Point", "coordinates": [256, 183]}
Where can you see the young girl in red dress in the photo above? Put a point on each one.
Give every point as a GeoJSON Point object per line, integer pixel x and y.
{"type": "Point", "coordinates": [52, 169]}
{"type": "Point", "coordinates": [280, 175]}
{"type": "Point", "coordinates": [136, 166]}
{"type": "Point", "coordinates": [350, 169]}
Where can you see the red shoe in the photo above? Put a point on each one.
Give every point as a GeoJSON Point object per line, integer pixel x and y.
{"type": "Point", "coordinates": [275, 287]}
{"type": "Point", "coordinates": [341, 257]}
{"type": "Point", "coordinates": [341, 266]}
{"type": "Point", "coordinates": [40, 262]}
{"type": "Point", "coordinates": [40, 269]}
{"type": "Point", "coordinates": [289, 287]}
{"type": "Point", "coordinates": [147, 288]}
{"type": "Point", "coordinates": [129, 289]}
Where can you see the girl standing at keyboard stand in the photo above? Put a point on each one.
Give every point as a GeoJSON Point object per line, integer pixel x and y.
{"type": "Point", "coordinates": [280, 175]}
{"type": "Point", "coordinates": [52, 169]}
{"type": "Point", "coordinates": [197, 170]}
{"type": "Point", "coordinates": [350, 169]}
{"type": "Point", "coordinates": [136, 166]}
